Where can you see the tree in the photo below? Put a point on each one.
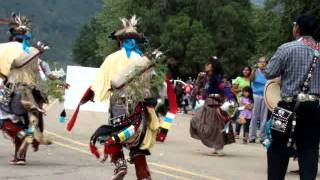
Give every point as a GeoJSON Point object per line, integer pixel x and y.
{"type": "Point", "coordinates": [93, 45]}
{"type": "Point", "coordinates": [190, 31]}
{"type": "Point", "coordinates": [266, 22]}
{"type": "Point", "coordinates": [86, 45]}
{"type": "Point", "coordinates": [290, 10]}
{"type": "Point", "coordinates": [194, 30]}
{"type": "Point", "coordinates": [273, 23]}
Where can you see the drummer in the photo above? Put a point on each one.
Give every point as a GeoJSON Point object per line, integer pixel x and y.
{"type": "Point", "coordinates": [297, 63]}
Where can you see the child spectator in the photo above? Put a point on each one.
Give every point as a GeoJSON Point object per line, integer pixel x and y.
{"type": "Point", "coordinates": [246, 105]}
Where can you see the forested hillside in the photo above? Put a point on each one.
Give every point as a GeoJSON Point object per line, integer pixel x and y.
{"type": "Point", "coordinates": [190, 31]}
{"type": "Point", "coordinates": [238, 32]}
{"type": "Point", "coordinates": [55, 21]}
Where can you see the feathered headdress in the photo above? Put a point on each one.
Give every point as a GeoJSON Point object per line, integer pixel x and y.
{"type": "Point", "coordinates": [128, 30]}
{"type": "Point", "coordinates": [19, 24]}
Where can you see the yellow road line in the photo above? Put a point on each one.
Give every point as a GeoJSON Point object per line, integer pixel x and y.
{"type": "Point", "coordinates": [66, 139]}
{"type": "Point", "coordinates": [153, 170]}
{"type": "Point", "coordinates": [71, 147]}
{"type": "Point", "coordinates": [169, 175]}
{"type": "Point", "coordinates": [151, 163]}
{"type": "Point", "coordinates": [183, 171]}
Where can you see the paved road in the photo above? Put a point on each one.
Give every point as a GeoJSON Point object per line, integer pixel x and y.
{"type": "Point", "coordinates": [179, 158]}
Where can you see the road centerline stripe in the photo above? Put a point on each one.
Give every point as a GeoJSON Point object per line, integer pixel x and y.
{"type": "Point", "coordinates": [65, 138]}
{"type": "Point", "coordinates": [169, 175]}
{"type": "Point", "coordinates": [151, 163]}
{"type": "Point", "coordinates": [183, 171]}
{"type": "Point", "coordinates": [152, 170]}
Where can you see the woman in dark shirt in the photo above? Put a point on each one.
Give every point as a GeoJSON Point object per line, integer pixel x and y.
{"type": "Point", "coordinates": [215, 78]}
{"type": "Point", "coordinates": [208, 124]}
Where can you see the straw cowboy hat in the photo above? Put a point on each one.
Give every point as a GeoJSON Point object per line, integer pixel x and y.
{"type": "Point", "coordinates": [272, 93]}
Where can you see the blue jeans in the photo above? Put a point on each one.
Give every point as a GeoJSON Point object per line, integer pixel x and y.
{"type": "Point", "coordinates": [260, 114]}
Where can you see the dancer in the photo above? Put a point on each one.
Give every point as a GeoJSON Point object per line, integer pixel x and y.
{"type": "Point", "coordinates": [22, 89]}
{"type": "Point", "coordinates": [167, 114]}
{"type": "Point", "coordinates": [211, 124]}
{"type": "Point", "coordinates": [126, 78]}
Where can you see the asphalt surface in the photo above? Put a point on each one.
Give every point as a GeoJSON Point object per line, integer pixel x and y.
{"type": "Point", "coordinates": [180, 157]}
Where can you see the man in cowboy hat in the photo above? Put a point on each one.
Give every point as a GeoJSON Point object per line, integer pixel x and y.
{"type": "Point", "coordinates": [297, 63]}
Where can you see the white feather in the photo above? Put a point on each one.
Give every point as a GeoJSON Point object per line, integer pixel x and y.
{"type": "Point", "coordinates": [125, 22]}
{"type": "Point", "coordinates": [18, 20]}
{"type": "Point", "coordinates": [134, 21]}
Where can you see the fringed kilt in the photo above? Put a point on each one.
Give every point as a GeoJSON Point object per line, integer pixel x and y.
{"type": "Point", "coordinates": [139, 119]}
{"type": "Point", "coordinates": [15, 103]}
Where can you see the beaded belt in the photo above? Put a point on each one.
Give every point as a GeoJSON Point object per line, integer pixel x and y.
{"type": "Point", "coordinates": [214, 95]}
{"type": "Point", "coordinates": [133, 119]}
{"type": "Point", "coordinates": [118, 121]}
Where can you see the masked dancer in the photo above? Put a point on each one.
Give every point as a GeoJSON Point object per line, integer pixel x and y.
{"type": "Point", "coordinates": [23, 92]}
{"type": "Point", "coordinates": [127, 79]}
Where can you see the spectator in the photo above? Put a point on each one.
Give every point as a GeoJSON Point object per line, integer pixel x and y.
{"type": "Point", "coordinates": [293, 61]}
{"type": "Point", "coordinates": [246, 103]}
{"type": "Point", "coordinates": [239, 83]}
{"type": "Point", "coordinates": [260, 110]}
{"type": "Point", "coordinates": [242, 81]}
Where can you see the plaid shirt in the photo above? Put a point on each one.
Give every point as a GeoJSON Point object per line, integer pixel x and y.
{"type": "Point", "coordinates": [292, 61]}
